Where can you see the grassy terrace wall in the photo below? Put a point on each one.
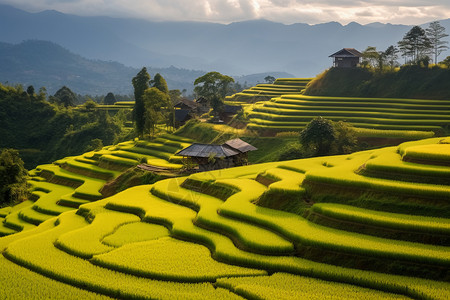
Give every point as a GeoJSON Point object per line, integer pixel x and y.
{"type": "Point", "coordinates": [262, 92]}
{"type": "Point", "coordinates": [70, 182]}
{"type": "Point", "coordinates": [205, 236]}
{"type": "Point", "coordinates": [293, 112]}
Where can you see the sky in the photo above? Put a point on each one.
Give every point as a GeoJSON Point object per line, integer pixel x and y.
{"type": "Point", "coordinates": [408, 12]}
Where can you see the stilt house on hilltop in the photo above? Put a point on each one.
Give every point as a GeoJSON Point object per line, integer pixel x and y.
{"type": "Point", "coordinates": [209, 157]}
{"type": "Point", "coordinates": [346, 58]}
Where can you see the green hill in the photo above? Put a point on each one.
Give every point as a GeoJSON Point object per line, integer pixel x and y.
{"type": "Point", "coordinates": [372, 224]}
{"type": "Point", "coordinates": [407, 82]}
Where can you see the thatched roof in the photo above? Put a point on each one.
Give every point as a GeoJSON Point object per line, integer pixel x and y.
{"type": "Point", "coordinates": [347, 52]}
{"type": "Point", "coordinates": [240, 145]}
{"type": "Point", "coordinates": [207, 150]}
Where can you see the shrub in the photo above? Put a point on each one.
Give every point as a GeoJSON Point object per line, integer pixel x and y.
{"type": "Point", "coordinates": [319, 135]}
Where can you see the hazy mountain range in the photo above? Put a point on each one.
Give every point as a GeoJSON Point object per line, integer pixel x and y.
{"type": "Point", "coordinates": [234, 49]}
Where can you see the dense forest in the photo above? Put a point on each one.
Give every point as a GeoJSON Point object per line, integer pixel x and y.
{"type": "Point", "coordinates": [44, 131]}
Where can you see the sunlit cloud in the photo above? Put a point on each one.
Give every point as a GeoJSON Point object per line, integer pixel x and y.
{"type": "Point", "coordinates": [226, 11]}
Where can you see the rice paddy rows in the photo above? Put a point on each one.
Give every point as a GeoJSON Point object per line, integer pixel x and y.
{"type": "Point", "coordinates": [77, 180]}
{"type": "Point", "coordinates": [262, 92]}
{"type": "Point", "coordinates": [293, 112]}
{"type": "Point", "coordinates": [107, 247]}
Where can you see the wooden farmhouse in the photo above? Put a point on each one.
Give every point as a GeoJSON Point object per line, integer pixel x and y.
{"type": "Point", "coordinates": [213, 157]}
{"type": "Point", "coordinates": [346, 58]}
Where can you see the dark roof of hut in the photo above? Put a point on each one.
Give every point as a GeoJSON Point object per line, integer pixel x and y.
{"type": "Point", "coordinates": [232, 109]}
{"type": "Point", "coordinates": [230, 148]}
{"type": "Point", "coordinates": [186, 102]}
{"type": "Point", "coordinates": [347, 52]}
{"type": "Point", "coordinates": [181, 115]}
{"type": "Point", "coordinates": [206, 150]}
{"type": "Point", "coordinates": [240, 145]}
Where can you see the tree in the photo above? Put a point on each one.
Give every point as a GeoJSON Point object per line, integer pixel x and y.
{"type": "Point", "coordinates": [65, 96]}
{"type": "Point", "coordinates": [435, 33]}
{"type": "Point", "coordinates": [415, 44]}
{"type": "Point", "coordinates": [109, 99]}
{"type": "Point", "coordinates": [372, 57]}
{"type": "Point", "coordinates": [141, 84]}
{"type": "Point", "coordinates": [160, 83]}
{"type": "Point", "coordinates": [391, 56]}
{"type": "Point", "coordinates": [213, 86]}
{"type": "Point", "coordinates": [13, 183]}
{"type": "Point", "coordinates": [90, 104]}
{"type": "Point", "coordinates": [318, 135]}
{"type": "Point", "coordinates": [269, 79]}
{"type": "Point", "coordinates": [155, 102]}
{"type": "Point", "coordinates": [175, 96]}
{"type": "Point", "coordinates": [446, 62]}
{"type": "Point", "coordinates": [30, 90]}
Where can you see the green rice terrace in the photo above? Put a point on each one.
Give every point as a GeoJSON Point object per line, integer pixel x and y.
{"type": "Point", "coordinates": [372, 224]}
{"type": "Point", "coordinates": [262, 92]}
{"type": "Point", "coordinates": [370, 116]}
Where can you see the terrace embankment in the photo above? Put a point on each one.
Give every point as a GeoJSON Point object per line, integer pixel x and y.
{"type": "Point", "coordinates": [407, 82]}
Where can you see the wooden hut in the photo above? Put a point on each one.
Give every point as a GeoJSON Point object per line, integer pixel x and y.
{"type": "Point", "coordinates": [346, 58]}
{"type": "Point", "coordinates": [229, 111]}
{"type": "Point", "coordinates": [213, 157]}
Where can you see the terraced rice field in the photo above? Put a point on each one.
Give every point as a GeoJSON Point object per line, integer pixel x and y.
{"type": "Point", "coordinates": [263, 92]}
{"type": "Point", "coordinates": [205, 237]}
{"type": "Point", "coordinates": [70, 182]}
{"type": "Point", "coordinates": [293, 112]}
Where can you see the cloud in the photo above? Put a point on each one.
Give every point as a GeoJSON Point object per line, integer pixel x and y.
{"type": "Point", "coordinates": [226, 11]}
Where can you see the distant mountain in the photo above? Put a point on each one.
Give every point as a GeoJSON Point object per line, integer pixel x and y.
{"type": "Point", "coordinates": [41, 63]}
{"type": "Point", "coordinates": [46, 64]}
{"type": "Point", "coordinates": [234, 49]}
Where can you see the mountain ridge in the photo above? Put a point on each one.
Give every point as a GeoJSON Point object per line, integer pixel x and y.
{"type": "Point", "coordinates": [237, 48]}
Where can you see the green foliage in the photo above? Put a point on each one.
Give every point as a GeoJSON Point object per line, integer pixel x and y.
{"type": "Point", "coordinates": [415, 44]}
{"type": "Point", "coordinates": [155, 101]}
{"type": "Point", "coordinates": [141, 84]}
{"type": "Point", "coordinates": [109, 99]}
{"type": "Point", "coordinates": [160, 83]}
{"type": "Point", "coordinates": [90, 105]}
{"type": "Point", "coordinates": [64, 96]}
{"type": "Point", "coordinates": [214, 87]}
{"type": "Point", "coordinates": [13, 185]}
{"type": "Point", "coordinates": [318, 135]}
{"type": "Point", "coordinates": [408, 82]}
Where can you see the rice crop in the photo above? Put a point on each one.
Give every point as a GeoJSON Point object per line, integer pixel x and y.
{"type": "Point", "coordinates": [86, 242]}
{"type": "Point", "coordinates": [421, 117]}
{"type": "Point", "coordinates": [34, 252]}
{"type": "Point", "coordinates": [170, 259]}
{"type": "Point", "coordinates": [135, 232]}
{"type": "Point", "coordinates": [251, 237]}
{"type": "Point", "coordinates": [434, 152]}
{"type": "Point", "coordinates": [424, 224]}
{"type": "Point", "coordinates": [289, 286]}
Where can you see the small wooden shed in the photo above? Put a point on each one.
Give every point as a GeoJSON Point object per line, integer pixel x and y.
{"type": "Point", "coordinates": [209, 157]}
{"type": "Point", "coordinates": [346, 58]}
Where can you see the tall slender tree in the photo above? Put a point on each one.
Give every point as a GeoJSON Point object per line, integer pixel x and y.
{"type": "Point", "coordinates": [155, 102]}
{"type": "Point", "coordinates": [415, 44]}
{"type": "Point", "coordinates": [141, 82]}
{"type": "Point", "coordinates": [435, 33]}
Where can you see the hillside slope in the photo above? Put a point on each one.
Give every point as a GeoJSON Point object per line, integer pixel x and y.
{"type": "Point", "coordinates": [409, 82]}
{"type": "Point", "coordinates": [359, 220]}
